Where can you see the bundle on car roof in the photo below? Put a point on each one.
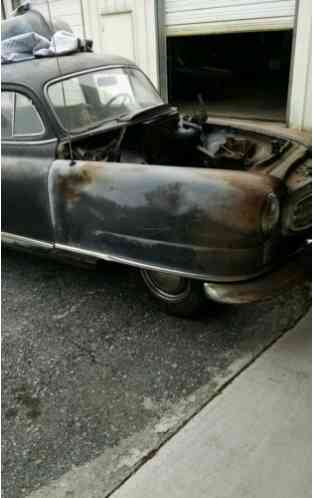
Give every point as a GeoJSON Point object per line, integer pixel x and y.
{"type": "Point", "coordinates": [27, 34]}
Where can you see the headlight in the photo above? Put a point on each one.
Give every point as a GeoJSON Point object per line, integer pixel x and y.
{"type": "Point", "coordinates": [271, 214]}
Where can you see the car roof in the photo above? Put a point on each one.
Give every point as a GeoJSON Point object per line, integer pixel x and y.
{"type": "Point", "coordinates": [36, 73]}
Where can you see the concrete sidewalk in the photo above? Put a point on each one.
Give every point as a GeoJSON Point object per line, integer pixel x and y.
{"type": "Point", "coordinates": [252, 441]}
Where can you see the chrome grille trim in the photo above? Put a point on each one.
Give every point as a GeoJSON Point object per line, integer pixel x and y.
{"type": "Point", "coordinates": [297, 212]}
{"type": "Point", "coordinates": [302, 213]}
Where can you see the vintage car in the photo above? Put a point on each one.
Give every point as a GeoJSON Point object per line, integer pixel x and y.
{"type": "Point", "coordinates": [96, 166]}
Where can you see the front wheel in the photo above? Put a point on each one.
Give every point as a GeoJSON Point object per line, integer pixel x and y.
{"type": "Point", "coordinates": [177, 295]}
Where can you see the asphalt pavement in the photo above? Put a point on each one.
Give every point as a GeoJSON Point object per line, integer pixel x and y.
{"type": "Point", "coordinates": [95, 376]}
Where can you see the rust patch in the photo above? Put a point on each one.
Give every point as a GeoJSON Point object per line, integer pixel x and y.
{"type": "Point", "coordinates": [296, 271]}
{"type": "Point", "coordinates": [72, 184]}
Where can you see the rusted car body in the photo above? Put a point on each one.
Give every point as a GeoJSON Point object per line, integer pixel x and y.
{"type": "Point", "coordinates": [203, 209]}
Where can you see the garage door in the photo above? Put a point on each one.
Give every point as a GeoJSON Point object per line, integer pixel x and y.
{"type": "Point", "coordinates": [216, 16]}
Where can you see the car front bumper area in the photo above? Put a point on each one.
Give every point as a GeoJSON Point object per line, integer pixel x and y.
{"type": "Point", "coordinates": [295, 271]}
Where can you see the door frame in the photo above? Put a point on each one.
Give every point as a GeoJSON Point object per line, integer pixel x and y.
{"type": "Point", "coordinates": [300, 82]}
{"type": "Point", "coordinates": [299, 79]}
{"type": "Point", "coordinates": [242, 26]}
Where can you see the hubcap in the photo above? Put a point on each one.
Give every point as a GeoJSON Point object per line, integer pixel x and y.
{"type": "Point", "coordinates": [169, 287]}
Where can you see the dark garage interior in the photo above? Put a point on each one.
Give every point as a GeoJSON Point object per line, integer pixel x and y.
{"type": "Point", "coordinates": [242, 75]}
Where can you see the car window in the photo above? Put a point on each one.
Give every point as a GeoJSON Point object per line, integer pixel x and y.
{"type": "Point", "coordinates": [7, 106]}
{"type": "Point", "coordinates": [19, 116]}
{"type": "Point", "coordinates": [70, 91]}
{"type": "Point", "coordinates": [27, 121]}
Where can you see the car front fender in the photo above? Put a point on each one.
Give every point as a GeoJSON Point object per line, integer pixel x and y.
{"type": "Point", "coordinates": [196, 222]}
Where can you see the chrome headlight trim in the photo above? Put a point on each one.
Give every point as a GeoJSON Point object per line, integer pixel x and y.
{"type": "Point", "coordinates": [270, 214]}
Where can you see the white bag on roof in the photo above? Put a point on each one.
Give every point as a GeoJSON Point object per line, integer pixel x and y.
{"type": "Point", "coordinates": [22, 47]}
{"type": "Point", "coordinates": [30, 45]}
{"type": "Point", "coordinates": [62, 43]}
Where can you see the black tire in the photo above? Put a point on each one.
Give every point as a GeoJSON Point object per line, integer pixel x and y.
{"type": "Point", "coordinates": [179, 297]}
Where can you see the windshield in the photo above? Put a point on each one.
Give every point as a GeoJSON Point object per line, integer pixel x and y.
{"type": "Point", "coordinates": [86, 101]}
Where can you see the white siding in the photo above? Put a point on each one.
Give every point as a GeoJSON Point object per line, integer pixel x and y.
{"type": "Point", "coordinates": [68, 11]}
{"type": "Point", "coordinates": [113, 25]}
{"type": "Point", "coordinates": [300, 91]}
{"type": "Point", "coordinates": [125, 27]}
{"type": "Point", "coordinates": [185, 13]}
{"type": "Point", "coordinates": [307, 119]}
{"type": "Point", "coordinates": [7, 4]}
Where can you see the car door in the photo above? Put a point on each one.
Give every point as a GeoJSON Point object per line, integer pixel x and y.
{"type": "Point", "coordinates": [27, 154]}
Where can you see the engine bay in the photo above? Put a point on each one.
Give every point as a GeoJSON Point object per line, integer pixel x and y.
{"type": "Point", "coordinates": [174, 141]}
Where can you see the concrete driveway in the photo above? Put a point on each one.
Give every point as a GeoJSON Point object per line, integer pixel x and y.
{"type": "Point", "coordinates": [252, 441]}
{"type": "Point", "coordinates": [96, 378]}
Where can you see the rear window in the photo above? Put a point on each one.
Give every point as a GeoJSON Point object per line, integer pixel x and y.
{"type": "Point", "coordinates": [19, 116]}
{"type": "Point", "coordinates": [27, 120]}
{"type": "Point", "coordinates": [7, 107]}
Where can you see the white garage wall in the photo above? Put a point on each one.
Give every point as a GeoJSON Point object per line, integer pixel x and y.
{"type": "Point", "coordinates": [307, 118]}
{"type": "Point", "coordinates": [210, 16]}
{"type": "Point", "coordinates": [125, 27]}
{"type": "Point", "coordinates": [300, 90]}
